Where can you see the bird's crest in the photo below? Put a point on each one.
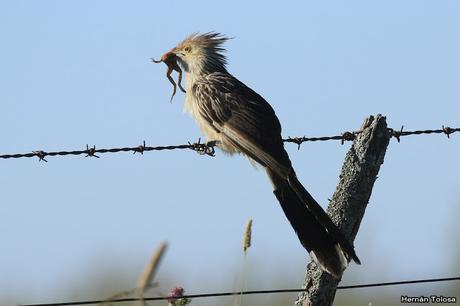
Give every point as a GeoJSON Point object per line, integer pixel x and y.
{"type": "Point", "coordinates": [210, 40]}
{"type": "Point", "coordinates": [211, 45]}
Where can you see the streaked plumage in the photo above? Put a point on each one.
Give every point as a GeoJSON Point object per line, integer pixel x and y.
{"type": "Point", "coordinates": [243, 122]}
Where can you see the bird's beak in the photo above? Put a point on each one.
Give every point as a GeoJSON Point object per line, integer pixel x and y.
{"type": "Point", "coordinates": [167, 54]}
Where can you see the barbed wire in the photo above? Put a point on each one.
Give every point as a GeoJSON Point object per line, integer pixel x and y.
{"type": "Point", "coordinates": [201, 148]}
{"type": "Point", "coordinates": [250, 292]}
{"type": "Point", "coordinates": [208, 148]}
{"type": "Point", "coordinates": [397, 134]}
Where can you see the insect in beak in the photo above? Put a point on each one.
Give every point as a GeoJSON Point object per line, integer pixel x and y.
{"type": "Point", "coordinates": [170, 59]}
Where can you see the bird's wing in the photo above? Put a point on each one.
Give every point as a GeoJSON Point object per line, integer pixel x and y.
{"type": "Point", "coordinates": [243, 118]}
{"type": "Point", "coordinates": [248, 122]}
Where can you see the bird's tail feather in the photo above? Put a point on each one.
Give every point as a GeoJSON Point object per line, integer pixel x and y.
{"type": "Point", "coordinates": [316, 231]}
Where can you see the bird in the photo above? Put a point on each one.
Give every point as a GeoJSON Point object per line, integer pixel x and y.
{"type": "Point", "coordinates": [239, 120]}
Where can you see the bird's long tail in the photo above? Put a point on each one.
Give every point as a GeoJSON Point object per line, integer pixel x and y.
{"type": "Point", "coordinates": [318, 234]}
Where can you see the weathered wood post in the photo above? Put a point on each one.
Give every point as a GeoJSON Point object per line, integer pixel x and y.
{"type": "Point", "coordinates": [346, 209]}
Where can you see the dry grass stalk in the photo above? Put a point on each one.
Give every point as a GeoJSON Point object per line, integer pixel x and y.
{"type": "Point", "coordinates": [147, 276]}
{"type": "Point", "coordinates": [247, 236]}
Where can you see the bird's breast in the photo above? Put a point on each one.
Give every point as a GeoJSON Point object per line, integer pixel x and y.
{"type": "Point", "coordinates": [192, 107]}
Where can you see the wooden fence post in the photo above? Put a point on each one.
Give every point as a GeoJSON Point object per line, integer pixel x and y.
{"type": "Point", "coordinates": [346, 209]}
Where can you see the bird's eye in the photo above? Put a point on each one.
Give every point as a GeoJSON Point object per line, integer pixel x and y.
{"type": "Point", "coordinates": [187, 49]}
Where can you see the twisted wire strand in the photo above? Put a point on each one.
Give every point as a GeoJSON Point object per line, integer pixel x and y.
{"type": "Point", "coordinates": [208, 148]}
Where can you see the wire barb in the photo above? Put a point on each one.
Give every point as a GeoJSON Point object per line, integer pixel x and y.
{"type": "Point", "coordinates": [348, 136]}
{"type": "Point", "coordinates": [140, 149]}
{"type": "Point", "coordinates": [91, 152]}
{"type": "Point", "coordinates": [447, 130]}
{"type": "Point", "coordinates": [297, 140]}
{"type": "Point", "coordinates": [41, 155]}
{"type": "Point", "coordinates": [397, 134]}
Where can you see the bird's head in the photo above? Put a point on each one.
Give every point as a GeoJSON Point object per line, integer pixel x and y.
{"type": "Point", "coordinates": [201, 53]}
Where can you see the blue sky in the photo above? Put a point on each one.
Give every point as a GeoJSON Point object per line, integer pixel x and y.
{"type": "Point", "coordinates": [78, 72]}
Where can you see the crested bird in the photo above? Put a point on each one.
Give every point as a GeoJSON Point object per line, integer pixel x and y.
{"type": "Point", "coordinates": [239, 120]}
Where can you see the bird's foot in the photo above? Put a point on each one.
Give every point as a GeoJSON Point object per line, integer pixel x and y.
{"type": "Point", "coordinates": [206, 148]}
